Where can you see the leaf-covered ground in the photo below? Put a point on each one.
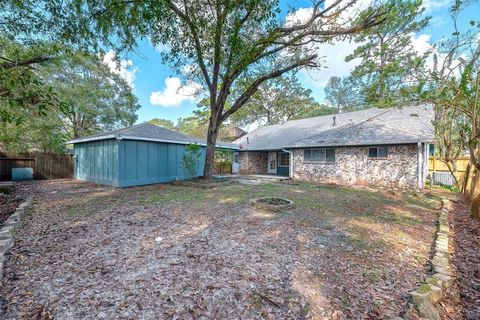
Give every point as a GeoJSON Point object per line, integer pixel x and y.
{"type": "Point", "coordinates": [463, 299]}
{"type": "Point", "coordinates": [179, 252]}
{"type": "Point", "coordinates": [9, 202]}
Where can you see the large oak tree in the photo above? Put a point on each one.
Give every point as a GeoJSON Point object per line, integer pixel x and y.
{"type": "Point", "coordinates": [222, 42]}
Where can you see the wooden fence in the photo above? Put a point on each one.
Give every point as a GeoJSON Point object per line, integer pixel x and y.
{"type": "Point", "coordinates": [440, 173]}
{"type": "Point", "coordinates": [44, 165]}
{"type": "Point", "coordinates": [437, 165]}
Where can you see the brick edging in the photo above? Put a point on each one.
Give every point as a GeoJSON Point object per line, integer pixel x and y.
{"type": "Point", "coordinates": [7, 232]}
{"type": "Point", "coordinates": [432, 289]}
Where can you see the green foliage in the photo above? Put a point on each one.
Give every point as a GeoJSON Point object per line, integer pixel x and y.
{"type": "Point", "coordinates": [223, 158]}
{"type": "Point", "coordinates": [223, 43]}
{"type": "Point", "coordinates": [164, 123]}
{"type": "Point", "coordinates": [39, 133]}
{"type": "Point", "coordinates": [388, 58]}
{"type": "Point", "coordinates": [193, 126]}
{"type": "Point", "coordinates": [22, 89]}
{"type": "Point", "coordinates": [191, 160]}
{"type": "Point", "coordinates": [345, 93]}
{"type": "Point", "coordinates": [93, 99]}
{"type": "Point", "coordinates": [453, 87]}
{"type": "Point", "coordinates": [279, 100]}
{"type": "Point", "coordinates": [98, 99]}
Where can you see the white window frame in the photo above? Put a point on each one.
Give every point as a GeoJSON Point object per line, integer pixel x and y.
{"type": "Point", "coordinates": [324, 160]}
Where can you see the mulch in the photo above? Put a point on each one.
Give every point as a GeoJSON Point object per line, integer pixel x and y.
{"type": "Point", "coordinates": [463, 298]}
{"type": "Point", "coordinates": [8, 204]}
{"type": "Point", "coordinates": [97, 252]}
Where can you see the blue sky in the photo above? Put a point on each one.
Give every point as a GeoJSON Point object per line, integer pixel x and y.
{"type": "Point", "coordinates": [148, 74]}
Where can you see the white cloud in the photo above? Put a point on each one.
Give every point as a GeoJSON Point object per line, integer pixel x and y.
{"type": "Point", "coordinates": [334, 54]}
{"type": "Point", "coordinates": [298, 16]}
{"type": "Point", "coordinates": [175, 93]}
{"type": "Point", "coordinates": [421, 43]}
{"type": "Point", "coordinates": [162, 48]}
{"type": "Point", "coordinates": [124, 68]}
{"type": "Point", "coordinates": [431, 5]}
{"type": "Point", "coordinates": [334, 63]}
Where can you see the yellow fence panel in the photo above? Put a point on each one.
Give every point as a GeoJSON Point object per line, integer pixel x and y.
{"type": "Point", "coordinates": [437, 165]}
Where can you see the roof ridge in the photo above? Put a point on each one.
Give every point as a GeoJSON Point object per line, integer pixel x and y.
{"type": "Point", "coordinates": [125, 130]}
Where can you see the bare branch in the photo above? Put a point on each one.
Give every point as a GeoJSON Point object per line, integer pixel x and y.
{"type": "Point", "coordinates": [21, 63]}
{"type": "Point", "coordinates": [196, 38]}
{"type": "Point", "coordinates": [255, 84]}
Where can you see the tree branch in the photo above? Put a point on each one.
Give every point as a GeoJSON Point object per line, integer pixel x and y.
{"type": "Point", "coordinates": [196, 39]}
{"type": "Point", "coordinates": [21, 63]}
{"type": "Point", "coordinates": [255, 84]}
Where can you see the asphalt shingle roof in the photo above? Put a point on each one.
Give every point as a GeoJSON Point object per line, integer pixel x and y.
{"type": "Point", "coordinates": [149, 132]}
{"type": "Point", "coordinates": [367, 127]}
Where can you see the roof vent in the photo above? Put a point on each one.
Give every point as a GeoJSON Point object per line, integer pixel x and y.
{"type": "Point", "coordinates": [334, 123]}
{"type": "Point", "coordinates": [248, 142]}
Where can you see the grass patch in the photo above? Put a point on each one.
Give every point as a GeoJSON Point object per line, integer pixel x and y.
{"type": "Point", "coordinates": [175, 194]}
{"type": "Point", "coordinates": [427, 201]}
{"type": "Point", "coordinates": [88, 204]}
{"type": "Point", "coordinates": [373, 275]}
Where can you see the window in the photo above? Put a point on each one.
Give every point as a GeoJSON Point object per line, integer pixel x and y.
{"type": "Point", "coordinates": [319, 155]}
{"type": "Point", "coordinates": [283, 159]}
{"type": "Point", "coordinates": [378, 152]}
{"type": "Point", "coordinates": [235, 158]}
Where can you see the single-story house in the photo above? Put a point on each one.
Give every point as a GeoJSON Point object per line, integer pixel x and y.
{"type": "Point", "coordinates": [380, 147]}
{"type": "Point", "coordinates": [137, 155]}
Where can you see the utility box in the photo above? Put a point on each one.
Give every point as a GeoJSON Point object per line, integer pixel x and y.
{"type": "Point", "coordinates": [19, 174]}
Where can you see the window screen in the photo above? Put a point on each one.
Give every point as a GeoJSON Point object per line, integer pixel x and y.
{"type": "Point", "coordinates": [378, 152]}
{"type": "Point", "coordinates": [319, 155]}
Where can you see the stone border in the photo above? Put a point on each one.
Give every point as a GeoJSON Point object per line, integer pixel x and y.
{"type": "Point", "coordinates": [13, 223]}
{"type": "Point", "coordinates": [432, 289]}
{"type": "Point", "coordinates": [255, 202]}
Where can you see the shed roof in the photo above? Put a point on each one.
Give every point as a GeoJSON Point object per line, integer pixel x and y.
{"type": "Point", "coordinates": [403, 125]}
{"type": "Point", "coordinates": [149, 132]}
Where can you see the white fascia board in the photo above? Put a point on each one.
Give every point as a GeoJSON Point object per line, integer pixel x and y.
{"type": "Point", "coordinates": [87, 139]}
{"type": "Point", "coordinates": [120, 137]}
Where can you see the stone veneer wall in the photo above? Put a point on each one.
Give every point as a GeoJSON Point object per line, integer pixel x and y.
{"type": "Point", "coordinates": [352, 166]}
{"type": "Point", "coordinates": [253, 162]}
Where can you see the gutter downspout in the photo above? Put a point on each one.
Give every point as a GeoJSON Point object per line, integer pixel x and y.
{"type": "Point", "coordinates": [290, 169]}
{"type": "Point", "coordinates": [419, 166]}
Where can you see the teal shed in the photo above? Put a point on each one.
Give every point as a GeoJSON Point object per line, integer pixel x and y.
{"type": "Point", "coordinates": [138, 155]}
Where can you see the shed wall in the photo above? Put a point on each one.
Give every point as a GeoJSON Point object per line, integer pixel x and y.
{"type": "Point", "coordinates": [146, 162]}
{"type": "Point", "coordinates": [97, 161]}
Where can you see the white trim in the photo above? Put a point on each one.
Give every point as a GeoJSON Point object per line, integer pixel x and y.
{"type": "Point", "coordinates": [120, 137]}
{"type": "Point", "coordinates": [269, 169]}
{"type": "Point", "coordinates": [87, 139]}
{"type": "Point", "coordinates": [419, 166]}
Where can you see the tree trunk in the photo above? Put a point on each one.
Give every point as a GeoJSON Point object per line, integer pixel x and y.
{"type": "Point", "coordinates": [212, 134]}
{"type": "Point", "coordinates": [475, 193]}
{"type": "Point", "coordinates": [467, 182]}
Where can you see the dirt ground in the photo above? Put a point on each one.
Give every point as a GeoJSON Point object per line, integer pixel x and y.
{"type": "Point", "coordinates": [180, 252]}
